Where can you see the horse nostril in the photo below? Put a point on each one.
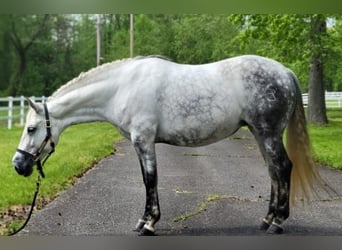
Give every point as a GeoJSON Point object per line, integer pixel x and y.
{"type": "Point", "coordinates": [18, 169]}
{"type": "Point", "coordinates": [23, 170]}
{"type": "Point", "coordinates": [15, 162]}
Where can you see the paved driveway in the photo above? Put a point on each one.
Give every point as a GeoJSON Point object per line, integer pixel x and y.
{"type": "Point", "coordinates": [220, 189]}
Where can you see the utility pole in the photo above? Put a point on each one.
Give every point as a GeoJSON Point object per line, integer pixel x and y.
{"type": "Point", "coordinates": [131, 35]}
{"type": "Point", "coordinates": [98, 40]}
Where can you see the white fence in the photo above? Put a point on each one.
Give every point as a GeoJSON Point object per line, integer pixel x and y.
{"type": "Point", "coordinates": [14, 110]}
{"type": "Point", "coordinates": [332, 99]}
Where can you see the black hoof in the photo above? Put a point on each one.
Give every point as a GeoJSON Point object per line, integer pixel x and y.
{"type": "Point", "coordinates": [264, 225]}
{"type": "Point", "coordinates": [139, 225]}
{"type": "Point", "coordinates": [275, 229]}
{"type": "Point", "coordinates": [146, 232]}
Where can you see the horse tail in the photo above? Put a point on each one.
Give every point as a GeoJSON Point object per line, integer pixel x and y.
{"type": "Point", "coordinates": [304, 173]}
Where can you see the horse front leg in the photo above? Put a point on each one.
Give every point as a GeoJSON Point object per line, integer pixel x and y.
{"type": "Point", "coordinates": [147, 159]}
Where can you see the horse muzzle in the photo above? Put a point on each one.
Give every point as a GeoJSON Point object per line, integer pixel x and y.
{"type": "Point", "coordinates": [23, 164]}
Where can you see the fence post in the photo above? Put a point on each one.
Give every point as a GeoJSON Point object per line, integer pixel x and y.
{"type": "Point", "coordinates": [22, 110]}
{"type": "Point", "coordinates": [10, 112]}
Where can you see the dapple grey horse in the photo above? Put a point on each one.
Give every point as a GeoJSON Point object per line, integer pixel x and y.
{"type": "Point", "coordinates": [154, 100]}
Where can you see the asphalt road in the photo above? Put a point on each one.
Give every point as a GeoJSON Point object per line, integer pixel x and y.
{"type": "Point", "coordinates": [220, 189]}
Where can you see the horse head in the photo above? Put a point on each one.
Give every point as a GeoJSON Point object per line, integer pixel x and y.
{"type": "Point", "coordinates": [38, 140]}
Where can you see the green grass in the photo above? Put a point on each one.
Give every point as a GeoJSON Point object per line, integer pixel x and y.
{"type": "Point", "coordinates": [327, 140]}
{"type": "Point", "coordinates": [203, 206]}
{"type": "Point", "coordinates": [79, 148]}
{"type": "Point", "coordinates": [335, 113]}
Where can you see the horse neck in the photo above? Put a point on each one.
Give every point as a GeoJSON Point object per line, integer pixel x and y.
{"type": "Point", "coordinates": [82, 105]}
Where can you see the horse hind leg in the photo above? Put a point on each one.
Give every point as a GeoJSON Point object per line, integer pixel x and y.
{"type": "Point", "coordinates": [147, 159]}
{"type": "Point", "coordinates": [279, 167]}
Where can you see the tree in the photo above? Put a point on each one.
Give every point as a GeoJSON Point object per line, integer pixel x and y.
{"type": "Point", "coordinates": [27, 28]}
{"type": "Point", "coordinates": [50, 60]}
{"type": "Point", "coordinates": [6, 58]}
{"type": "Point", "coordinates": [316, 106]}
{"type": "Point", "coordinates": [151, 35]}
{"type": "Point", "coordinates": [204, 38]}
{"type": "Point", "coordinates": [293, 38]}
{"type": "Point", "coordinates": [115, 31]}
{"type": "Point", "coordinates": [84, 44]}
{"type": "Point", "coordinates": [333, 64]}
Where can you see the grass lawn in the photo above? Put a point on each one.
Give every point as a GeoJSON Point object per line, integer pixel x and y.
{"type": "Point", "coordinates": [327, 140]}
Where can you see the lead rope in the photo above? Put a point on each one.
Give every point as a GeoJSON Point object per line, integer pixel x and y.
{"type": "Point", "coordinates": [32, 208]}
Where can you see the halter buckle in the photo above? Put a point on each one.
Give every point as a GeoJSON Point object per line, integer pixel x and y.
{"type": "Point", "coordinates": [47, 124]}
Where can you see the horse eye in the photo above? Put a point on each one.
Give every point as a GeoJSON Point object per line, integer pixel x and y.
{"type": "Point", "coordinates": [31, 130]}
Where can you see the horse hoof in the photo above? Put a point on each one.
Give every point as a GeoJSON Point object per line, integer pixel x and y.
{"type": "Point", "coordinates": [275, 229]}
{"type": "Point", "coordinates": [264, 225]}
{"type": "Point", "coordinates": [147, 232]}
{"type": "Point", "coordinates": [141, 223]}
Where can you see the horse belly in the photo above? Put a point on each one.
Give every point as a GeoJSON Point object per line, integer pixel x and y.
{"type": "Point", "coordinates": [197, 129]}
{"type": "Point", "coordinates": [195, 137]}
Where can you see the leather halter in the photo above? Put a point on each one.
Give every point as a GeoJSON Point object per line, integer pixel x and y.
{"type": "Point", "coordinates": [35, 157]}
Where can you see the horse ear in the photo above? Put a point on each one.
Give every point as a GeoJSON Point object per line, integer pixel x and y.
{"type": "Point", "coordinates": [34, 105]}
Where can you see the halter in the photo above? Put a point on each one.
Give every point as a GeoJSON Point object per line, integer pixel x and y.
{"type": "Point", "coordinates": [35, 157]}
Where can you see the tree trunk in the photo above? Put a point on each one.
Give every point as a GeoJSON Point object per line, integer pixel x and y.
{"type": "Point", "coordinates": [316, 106]}
{"type": "Point", "coordinates": [5, 61]}
{"type": "Point", "coordinates": [18, 78]}
{"type": "Point", "coordinates": [98, 39]}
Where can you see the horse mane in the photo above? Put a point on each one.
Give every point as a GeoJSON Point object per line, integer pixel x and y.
{"type": "Point", "coordinates": [77, 81]}
{"type": "Point", "coordinates": [155, 56]}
